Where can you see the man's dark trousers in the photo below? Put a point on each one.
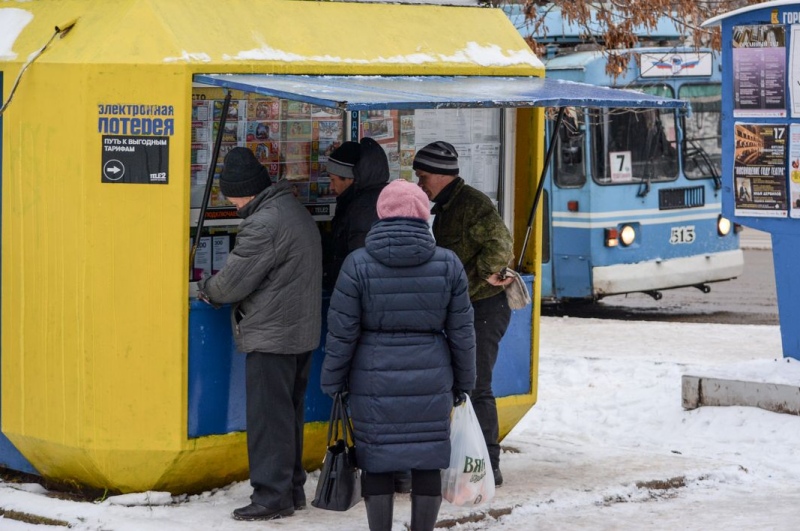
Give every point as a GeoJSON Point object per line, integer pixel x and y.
{"type": "Point", "coordinates": [492, 316]}
{"type": "Point", "coordinates": [276, 390]}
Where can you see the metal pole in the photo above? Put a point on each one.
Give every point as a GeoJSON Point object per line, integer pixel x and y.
{"type": "Point", "coordinates": [540, 187]}
{"type": "Point", "coordinates": [209, 181]}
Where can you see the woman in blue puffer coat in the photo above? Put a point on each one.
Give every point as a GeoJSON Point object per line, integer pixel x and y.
{"type": "Point", "coordinates": [401, 341]}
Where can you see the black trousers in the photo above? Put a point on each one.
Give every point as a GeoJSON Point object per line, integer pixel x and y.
{"type": "Point", "coordinates": [492, 316]}
{"type": "Point", "coordinates": [276, 390]}
{"type": "Point", "coordinates": [423, 483]}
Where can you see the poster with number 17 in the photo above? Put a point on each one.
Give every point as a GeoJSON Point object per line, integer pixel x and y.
{"type": "Point", "coordinates": [759, 170]}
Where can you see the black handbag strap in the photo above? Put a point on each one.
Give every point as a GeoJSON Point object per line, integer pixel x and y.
{"type": "Point", "coordinates": [339, 420]}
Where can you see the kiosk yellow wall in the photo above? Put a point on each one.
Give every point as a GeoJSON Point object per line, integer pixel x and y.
{"type": "Point", "coordinates": [94, 274]}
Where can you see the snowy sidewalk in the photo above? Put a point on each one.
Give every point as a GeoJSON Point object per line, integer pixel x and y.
{"type": "Point", "coordinates": [608, 446]}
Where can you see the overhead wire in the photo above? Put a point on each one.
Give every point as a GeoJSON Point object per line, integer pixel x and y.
{"type": "Point", "coordinates": [59, 30]}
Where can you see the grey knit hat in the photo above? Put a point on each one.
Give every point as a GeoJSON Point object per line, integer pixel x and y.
{"type": "Point", "coordinates": [242, 175]}
{"type": "Point", "coordinates": [438, 157]}
{"type": "Point", "coordinates": [343, 159]}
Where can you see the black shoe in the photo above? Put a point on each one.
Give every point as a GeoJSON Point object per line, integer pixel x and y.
{"type": "Point", "coordinates": [402, 482]}
{"type": "Point", "coordinates": [498, 477]}
{"type": "Point", "coordinates": [255, 511]}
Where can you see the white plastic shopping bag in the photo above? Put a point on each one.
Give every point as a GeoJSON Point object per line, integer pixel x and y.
{"type": "Point", "coordinates": [469, 480]}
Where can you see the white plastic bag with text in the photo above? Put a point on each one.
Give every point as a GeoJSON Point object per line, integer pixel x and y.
{"type": "Point", "coordinates": [469, 480]}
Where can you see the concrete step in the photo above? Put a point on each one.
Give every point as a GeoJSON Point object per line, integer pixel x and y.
{"type": "Point", "coordinates": [700, 391]}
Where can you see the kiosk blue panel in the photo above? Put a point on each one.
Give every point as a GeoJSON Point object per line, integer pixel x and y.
{"type": "Point", "coordinates": [318, 405]}
{"type": "Point", "coordinates": [216, 375]}
{"type": "Point", "coordinates": [11, 458]}
{"type": "Point", "coordinates": [512, 373]}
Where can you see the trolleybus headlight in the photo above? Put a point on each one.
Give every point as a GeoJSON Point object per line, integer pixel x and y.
{"type": "Point", "coordinates": [627, 235]}
{"type": "Point", "coordinates": [723, 225]}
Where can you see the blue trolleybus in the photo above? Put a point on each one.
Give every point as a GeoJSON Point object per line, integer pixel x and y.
{"type": "Point", "coordinates": [632, 201]}
{"type": "Point", "coordinates": [632, 197]}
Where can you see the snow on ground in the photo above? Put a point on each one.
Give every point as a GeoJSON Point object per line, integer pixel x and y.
{"type": "Point", "coordinates": [606, 447]}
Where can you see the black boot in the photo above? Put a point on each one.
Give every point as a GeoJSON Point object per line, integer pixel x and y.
{"type": "Point", "coordinates": [498, 476]}
{"type": "Point", "coordinates": [424, 512]}
{"type": "Point", "coordinates": [379, 512]}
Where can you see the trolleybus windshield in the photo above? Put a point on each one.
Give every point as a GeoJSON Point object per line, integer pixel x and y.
{"type": "Point", "coordinates": [631, 146]}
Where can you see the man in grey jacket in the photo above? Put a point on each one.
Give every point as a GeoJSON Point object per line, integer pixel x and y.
{"type": "Point", "coordinates": [273, 281]}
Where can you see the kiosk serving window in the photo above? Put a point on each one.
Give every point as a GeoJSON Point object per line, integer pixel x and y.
{"type": "Point", "coordinates": [293, 140]}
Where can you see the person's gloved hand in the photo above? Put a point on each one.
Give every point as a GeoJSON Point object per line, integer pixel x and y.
{"type": "Point", "coordinates": [459, 397]}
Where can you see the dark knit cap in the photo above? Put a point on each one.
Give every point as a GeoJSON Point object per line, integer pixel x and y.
{"type": "Point", "coordinates": [242, 174]}
{"type": "Point", "coordinates": [438, 157]}
{"type": "Point", "coordinates": [343, 158]}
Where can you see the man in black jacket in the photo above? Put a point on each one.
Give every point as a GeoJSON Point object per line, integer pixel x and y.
{"type": "Point", "coordinates": [358, 173]}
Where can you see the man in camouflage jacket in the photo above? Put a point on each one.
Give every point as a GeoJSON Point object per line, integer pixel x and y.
{"type": "Point", "coordinates": [468, 224]}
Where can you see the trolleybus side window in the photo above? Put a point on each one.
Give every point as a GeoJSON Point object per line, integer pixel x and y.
{"type": "Point", "coordinates": [570, 170]}
{"type": "Point", "coordinates": [702, 131]}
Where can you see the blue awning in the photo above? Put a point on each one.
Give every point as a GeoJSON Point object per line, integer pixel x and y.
{"type": "Point", "coordinates": [358, 93]}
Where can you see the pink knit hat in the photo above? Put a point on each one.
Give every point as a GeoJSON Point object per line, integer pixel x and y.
{"type": "Point", "coordinates": [403, 199]}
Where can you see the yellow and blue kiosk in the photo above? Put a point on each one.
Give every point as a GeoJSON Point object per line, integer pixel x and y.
{"type": "Point", "coordinates": [113, 375]}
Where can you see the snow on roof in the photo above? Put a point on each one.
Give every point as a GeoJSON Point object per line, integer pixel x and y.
{"type": "Point", "coordinates": [474, 53]}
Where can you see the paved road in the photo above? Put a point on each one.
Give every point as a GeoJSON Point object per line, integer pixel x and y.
{"type": "Point", "coordinates": [755, 239]}
{"type": "Point", "coordinates": [749, 299]}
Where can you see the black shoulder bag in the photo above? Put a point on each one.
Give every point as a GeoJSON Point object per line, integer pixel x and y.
{"type": "Point", "coordinates": [339, 486]}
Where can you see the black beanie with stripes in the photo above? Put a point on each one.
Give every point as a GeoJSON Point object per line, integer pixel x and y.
{"type": "Point", "coordinates": [438, 157]}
